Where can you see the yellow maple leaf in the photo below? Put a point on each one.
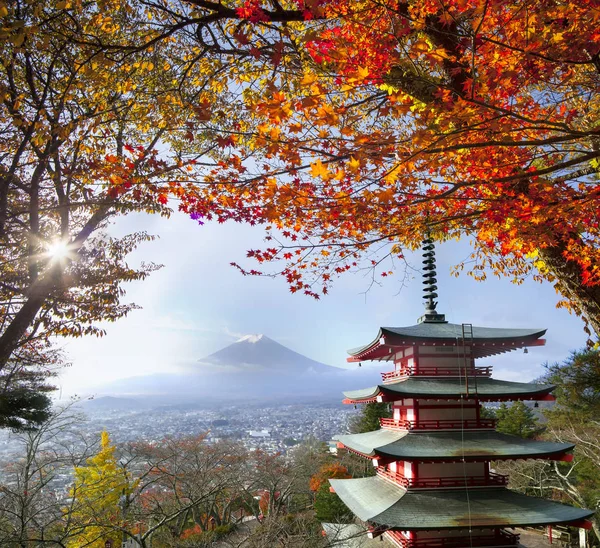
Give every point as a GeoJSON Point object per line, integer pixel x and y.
{"type": "Point", "coordinates": [318, 169]}
{"type": "Point", "coordinates": [362, 73]}
{"type": "Point", "coordinates": [308, 78]}
{"type": "Point", "coordinates": [353, 164]}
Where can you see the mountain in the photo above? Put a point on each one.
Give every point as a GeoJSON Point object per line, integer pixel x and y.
{"type": "Point", "coordinates": [254, 367]}
{"type": "Point", "coordinates": [259, 353]}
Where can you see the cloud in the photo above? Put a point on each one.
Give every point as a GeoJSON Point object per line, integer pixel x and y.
{"type": "Point", "coordinates": [234, 334]}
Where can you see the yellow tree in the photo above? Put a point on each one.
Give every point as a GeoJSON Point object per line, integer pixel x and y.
{"type": "Point", "coordinates": [99, 499]}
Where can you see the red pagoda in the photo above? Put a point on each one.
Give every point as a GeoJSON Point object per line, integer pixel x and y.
{"type": "Point", "coordinates": [434, 486]}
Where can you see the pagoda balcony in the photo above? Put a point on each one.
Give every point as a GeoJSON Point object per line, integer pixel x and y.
{"type": "Point", "coordinates": [493, 480]}
{"type": "Point", "coordinates": [501, 538]}
{"type": "Point", "coordinates": [399, 374]}
{"type": "Point", "coordinates": [439, 424]}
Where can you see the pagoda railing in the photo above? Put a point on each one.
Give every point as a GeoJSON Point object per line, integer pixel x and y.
{"type": "Point", "coordinates": [501, 538]}
{"type": "Point", "coordinates": [438, 424]}
{"type": "Point", "coordinates": [434, 371]}
{"type": "Point", "coordinates": [493, 480]}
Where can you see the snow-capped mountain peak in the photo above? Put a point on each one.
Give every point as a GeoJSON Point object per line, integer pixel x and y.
{"type": "Point", "coordinates": [250, 338]}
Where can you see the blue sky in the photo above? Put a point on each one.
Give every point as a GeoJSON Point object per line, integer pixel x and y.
{"type": "Point", "coordinates": [198, 304]}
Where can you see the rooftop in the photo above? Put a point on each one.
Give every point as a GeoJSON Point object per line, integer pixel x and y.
{"type": "Point", "coordinates": [487, 341]}
{"type": "Point", "coordinates": [378, 501]}
{"type": "Point", "coordinates": [483, 388]}
{"type": "Point", "coordinates": [447, 445]}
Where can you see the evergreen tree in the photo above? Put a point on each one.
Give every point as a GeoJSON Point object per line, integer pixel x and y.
{"type": "Point", "coordinates": [577, 391]}
{"type": "Point", "coordinates": [368, 419]}
{"type": "Point", "coordinates": [518, 420]}
{"type": "Point", "coordinates": [330, 508]}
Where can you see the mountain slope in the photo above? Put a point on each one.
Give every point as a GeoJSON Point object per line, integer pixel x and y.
{"type": "Point", "coordinates": [259, 352]}
{"type": "Point", "coordinates": [254, 367]}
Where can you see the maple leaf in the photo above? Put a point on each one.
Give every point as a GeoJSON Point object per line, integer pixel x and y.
{"type": "Point", "coordinates": [318, 169]}
{"type": "Point", "coordinates": [353, 164]}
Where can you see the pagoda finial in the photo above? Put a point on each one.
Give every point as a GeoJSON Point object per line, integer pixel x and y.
{"type": "Point", "coordinates": [430, 281]}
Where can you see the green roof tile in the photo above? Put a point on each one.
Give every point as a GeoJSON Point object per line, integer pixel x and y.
{"type": "Point", "coordinates": [381, 502]}
{"type": "Point", "coordinates": [450, 333]}
{"type": "Point", "coordinates": [431, 387]}
{"type": "Point", "coordinates": [447, 445]}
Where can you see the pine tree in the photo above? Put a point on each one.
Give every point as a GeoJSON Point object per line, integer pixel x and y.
{"type": "Point", "coordinates": [330, 508]}
{"type": "Point", "coordinates": [518, 420]}
{"type": "Point", "coordinates": [368, 419]}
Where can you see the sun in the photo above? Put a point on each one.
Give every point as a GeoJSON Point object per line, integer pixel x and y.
{"type": "Point", "coordinates": [58, 250]}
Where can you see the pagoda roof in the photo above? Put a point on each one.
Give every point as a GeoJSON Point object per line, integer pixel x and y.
{"type": "Point", "coordinates": [447, 445]}
{"type": "Point", "coordinates": [487, 341]}
{"type": "Point", "coordinates": [483, 388]}
{"type": "Point", "coordinates": [381, 502]}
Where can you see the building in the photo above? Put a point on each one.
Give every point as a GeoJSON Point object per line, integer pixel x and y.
{"type": "Point", "coordinates": [434, 487]}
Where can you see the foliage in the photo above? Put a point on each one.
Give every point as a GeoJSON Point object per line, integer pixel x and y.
{"type": "Point", "coordinates": [100, 491]}
{"type": "Point", "coordinates": [487, 412]}
{"type": "Point", "coordinates": [577, 391]}
{"type": "Point", "coordinates": [29, 510]}
{"type": "Point", "coordinates": [334, 470]}
{"type": "Point", "coordinates": [25, 383]}
{"type": "Point", "coordinates": [79, 148]}
{"type": "Point", "coordinates": [368, 419]}
{"type": "Point", "coordinates": [195, 536]}
{"type": "Point", "coordinates": [352, 129]}
{"type": "Point", "coordinates": [349, 129]}
{"type": "Point", "coordinates": [573, 419]}
{"type": "Point", "coordinates": [518, 420]}
{"type": "Point", "coordinates": [183, 483]}
{"type": "Point", "coordinates": [297, 529]}
{"type": "Point", "coordinates": [175, 492]}
{"type": "Point", "coordinates": [330, 508]}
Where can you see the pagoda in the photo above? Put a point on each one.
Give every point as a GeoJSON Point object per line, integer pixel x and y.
{"type": "Point", "coordinates": [433, 485]}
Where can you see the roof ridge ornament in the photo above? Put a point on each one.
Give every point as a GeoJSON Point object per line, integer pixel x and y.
{"type": "Point", "coordinates": [429, 281]}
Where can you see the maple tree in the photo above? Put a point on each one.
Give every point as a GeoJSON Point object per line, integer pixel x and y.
{"type": "Point", "coordinates": [356, 128]}
{"type": "Point", "coordinates": [349, 129]}
{"type": "Point", "coordinates": [328, 471]}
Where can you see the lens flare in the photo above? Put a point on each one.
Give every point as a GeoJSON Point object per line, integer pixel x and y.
{"type": "Point", "coordinates": [58, 250]}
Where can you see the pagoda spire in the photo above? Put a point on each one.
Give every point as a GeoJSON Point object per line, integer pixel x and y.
{"type": "Point", "coordinates": [429, 281]}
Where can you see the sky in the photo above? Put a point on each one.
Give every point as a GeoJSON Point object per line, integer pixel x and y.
{"type": "Point", "coordinates": [197, 304]}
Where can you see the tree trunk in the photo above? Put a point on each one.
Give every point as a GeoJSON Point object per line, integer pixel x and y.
{"type": "Point", "coordinates": [585, 300]}
{"type": "Point", "coordinates": [41, 290]}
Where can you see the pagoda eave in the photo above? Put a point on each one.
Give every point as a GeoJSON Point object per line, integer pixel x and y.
{"type": "Point", "coordinates": [484, 389]}
{"type": "Point", "coordinates": [451, 446]}
{"type": "Point", "coordinates": [487, 341]}
{"type": "Point", "coordinates": [378, 501]}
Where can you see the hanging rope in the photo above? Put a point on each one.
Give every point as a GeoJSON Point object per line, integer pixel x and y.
{"type": "Point", "coordinates": [462, 422]}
